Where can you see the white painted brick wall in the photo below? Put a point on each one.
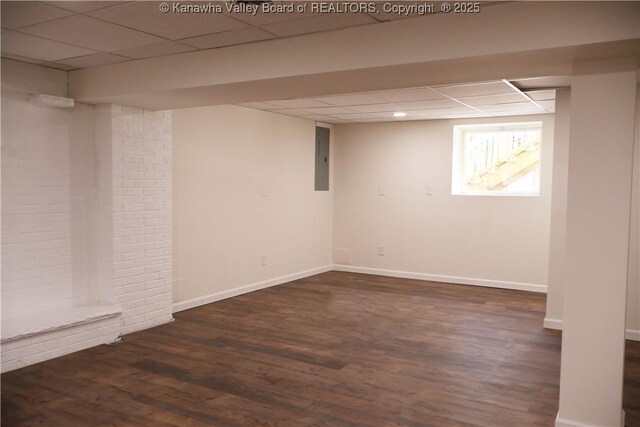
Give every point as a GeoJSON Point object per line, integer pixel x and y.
{"type": "Point", "coordinates": [47, 205]}
{"type": "Point", "coordinates": [141, 147]}
{"type": "Point", "coordinates": [86, 218]}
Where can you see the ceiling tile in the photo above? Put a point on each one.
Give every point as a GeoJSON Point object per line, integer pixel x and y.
{"type": "Point", "coordinates": [347, 108]}
{"type": "Point", "coordinates": [547, 105]}
{"type": "Point", "coordinates": [493, 99]}
{"type": "Point", "coordinates": [92, 33]}
{"type": "Point", "coordinates": [408, 95]}
{"type": "Point", "coordinates": [146, 16]}
{"type": "Point", "coordinates": [360, 116]}
{"type": "Point", "coordinates": [330, 110]}
{"type": "Point", "coordinates": [260, 105]}
{"type": "Point", "coordinates": [465, 115]}
{"type": "Point", "coordinates": [38, 48]}
{"type": "Point", "coordinates": [475, 89]}
{"type": "Point", "coordinates": [393, 14]}
{"type": "Point", "coordinates": [298, 103]}
{"type": "Point", "coordinates": [374, 120]}
{"type": "Point", "coordinates": [324, 119]}
{"type": "Point", "coordinates": [16, 14]}
{"type": "Point", "coordinates": [516, 106]}
{"type": "Point", "coordinates": [543, 82]}
{"type": "Point", "coordinates": [515, 113]}
{"type": "Point", "coordinates": [422, 117]}
{"type": "Point", "coordinates": [352, 99]}
{"type": "Point", "coordinates": [92, 60]}
{"type": "Point", "coordinates": [441, 111]}
{"type": "Point", "coordinates": [323, 22]}
{"type": "Point", "coordinates": [291, 111]}
{"type": "Point", "coordinates": [408, 119]}
{"type": "Point", "coordinates": [21, 58]}
{"type": "Point", "coordinates": [160, 49]}
{"type": "Point", "coordinates": [59, 66]}
{"type": "Point", "coordinates": [321, 118]}
{"type": "Point", "coordinates": [228, 38]}
{"type": "Point", "coordinates": [376, 108]}
{"type": "Point", "coordinates": [542, 95]}
{"type": "Point", "coordinates": [428, 104]}
{"type": "Point", "coordinates": [84, 6]}
{"type": "Point", "coordinates": [270, 16]}
{"type": "Point", "coordinates": [413, 119]}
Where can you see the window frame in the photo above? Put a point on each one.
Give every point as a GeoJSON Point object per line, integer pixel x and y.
{"type": "Point", "coordinates": [457, 163]}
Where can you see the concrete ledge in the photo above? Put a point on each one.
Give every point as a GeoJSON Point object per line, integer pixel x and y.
{"type": "Point", "coordinates": [31, 324]}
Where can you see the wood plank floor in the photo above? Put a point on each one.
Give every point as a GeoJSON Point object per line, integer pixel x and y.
{"type": "Point", "coordinates": [336, 349]}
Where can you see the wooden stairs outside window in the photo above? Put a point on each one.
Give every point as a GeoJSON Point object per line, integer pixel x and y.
{"type": "Point", "coordinates": [496, 166]}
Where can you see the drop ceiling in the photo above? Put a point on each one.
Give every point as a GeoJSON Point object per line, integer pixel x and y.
{"type": "Point", "coordinates": [471, 100]}
{"type": "Point", "coordinates": [79, 34]}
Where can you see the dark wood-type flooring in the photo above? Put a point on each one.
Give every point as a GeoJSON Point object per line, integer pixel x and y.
{"type": "Point", "coordinates": [336, 349]}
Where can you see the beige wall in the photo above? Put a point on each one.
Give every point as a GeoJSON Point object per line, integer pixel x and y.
{"type": "Point", "coordinates": [434, 235]}
{"type": "Point", "coordinates": [491, 239]}
{"type": "Point", "coordinates": [223, 156]}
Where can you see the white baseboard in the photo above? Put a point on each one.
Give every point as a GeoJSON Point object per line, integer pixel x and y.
{"type": "Point", "coordinates": [218, 296]}
{"type": "Point", "coordinates": [630, 334]}
{"type": "Point", "coordinates": [561, 422]}
{"type": "Point", "coordinates": [549, 323]}
{"type": "Point", "coordinates": [446, 279]}
{"type": "Point", "coordinates": [553, 323]}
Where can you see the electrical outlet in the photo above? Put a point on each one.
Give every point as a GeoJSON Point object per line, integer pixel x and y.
{"type": "Point", "coordinates": [381, 190]}
{"type": "Point", "coordinates": [263, 260]}
{"type": "Point", "coordinates": [427, 190]}
{"type": "Point", "coordinates": [264, 191]}
{"type": "Point", "coordinates": [381, 250]}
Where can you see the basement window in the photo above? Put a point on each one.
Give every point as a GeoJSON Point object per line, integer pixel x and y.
{"type": "Point", "coordinates": [497, 159]}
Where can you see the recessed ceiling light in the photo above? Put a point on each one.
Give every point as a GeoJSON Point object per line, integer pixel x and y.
{"type": "Point", "coordinates": [399, 114]}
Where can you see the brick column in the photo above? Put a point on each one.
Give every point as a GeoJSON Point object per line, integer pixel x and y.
{"type": "Point", "coordinates": [141, 168]}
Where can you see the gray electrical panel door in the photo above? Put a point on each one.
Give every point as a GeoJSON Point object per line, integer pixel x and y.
{"type": "Point", "coordinates": [322, 159]}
